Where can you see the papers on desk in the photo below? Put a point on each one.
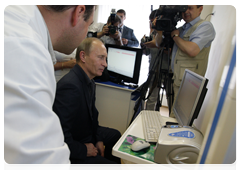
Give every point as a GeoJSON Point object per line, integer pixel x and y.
{"type": "Point", "coordinates": [147, 154]}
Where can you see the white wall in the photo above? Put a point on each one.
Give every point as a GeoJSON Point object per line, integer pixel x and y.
{"type": "Point", "coordinates": [224, 22]}
{"type": "Point", "coordinates": [207, 9]}
{"type": "Point", "coordinates": [220, 53]}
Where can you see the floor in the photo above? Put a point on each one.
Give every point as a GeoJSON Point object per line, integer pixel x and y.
{"type": "Point", "coordinates": [164, 111]}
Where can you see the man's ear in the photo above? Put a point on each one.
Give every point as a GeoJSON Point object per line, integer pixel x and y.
{"type": "Point", "coordinates": [82, 56]}
{"type": "Point", "coordinates": [77, 14]}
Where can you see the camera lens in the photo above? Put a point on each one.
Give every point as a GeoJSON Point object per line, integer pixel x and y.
{"type": "Point", "coordinates": [112, 29]}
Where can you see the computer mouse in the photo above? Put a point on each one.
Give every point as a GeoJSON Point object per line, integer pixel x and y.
{"type": "Point", "coordinates": [139, 145]}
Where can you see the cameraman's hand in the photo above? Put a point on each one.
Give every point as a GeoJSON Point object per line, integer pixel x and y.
{"type": "Point", "coordinates": [117, 35]}
{"type": "Point", "coordinates": [150, 44]}
{"type": "Point", "coordinates": [104, 31]}
{"type": "Point", "coordinates": [142, 42]}
{"type": "Point", "coordinates": [174, 32]}
{"type": "Point", "coordinates": [91, 150]}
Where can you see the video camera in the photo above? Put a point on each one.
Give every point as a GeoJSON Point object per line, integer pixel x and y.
{"type": "Point", "coordinates": [112, 28]}
{"type": "Point", "coordinates": [168, 16]}
{"type": "Point", "coordinates": [144, 40]}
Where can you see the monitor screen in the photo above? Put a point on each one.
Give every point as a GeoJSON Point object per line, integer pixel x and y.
{"type": "Point", "coordinates": [190, 97]}
{"type": "Point", "coordinates": [124, 63]}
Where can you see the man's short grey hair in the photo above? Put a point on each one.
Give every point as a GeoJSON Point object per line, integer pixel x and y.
{"type": "Point", "coordinates": [86, 46]}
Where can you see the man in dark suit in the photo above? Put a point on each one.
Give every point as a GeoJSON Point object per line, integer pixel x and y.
{"type": "Point", "coordinates": [128, 37]}
{"type": "Point", "coordinates": [74, 104]}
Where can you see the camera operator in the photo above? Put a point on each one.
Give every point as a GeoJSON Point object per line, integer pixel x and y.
{"type": "Point", "coordinates": [191, 47]}
{"type": "Point", "coordinates": [102, 31]}
{"type": "Point", "coordinates": [156, 40]}
{"type": "Point", "coordinates": [152, 52]}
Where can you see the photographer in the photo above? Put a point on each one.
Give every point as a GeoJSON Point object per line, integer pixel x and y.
{"type": "Point", "coordinates": [152, 52]}
{"type": "Point", "coordinates": [101, 30]}
{"type": "Point", "coordinates": [191, 47]}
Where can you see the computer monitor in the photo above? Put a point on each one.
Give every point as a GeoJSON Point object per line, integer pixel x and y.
{"type": "Point", "coordinates": [123, 63]}
{"type": "Point", "coordinates": [190, 97]}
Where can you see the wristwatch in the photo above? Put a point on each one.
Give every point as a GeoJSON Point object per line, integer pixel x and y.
{"type": "Point", "coordinates": [175, 35]}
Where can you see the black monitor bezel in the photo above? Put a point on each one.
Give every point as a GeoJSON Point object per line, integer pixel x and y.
{"type": "Point", "coordinates": [200, 99]}
{"type": "Point", "coordinates": [137, 65]}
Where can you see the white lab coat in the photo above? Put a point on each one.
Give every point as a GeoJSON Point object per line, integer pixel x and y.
{"type": "Point", "coordinates": [32, 131]}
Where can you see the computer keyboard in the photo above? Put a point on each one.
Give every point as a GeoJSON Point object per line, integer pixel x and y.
{"type": "Point", "coordinates": [152, 124]}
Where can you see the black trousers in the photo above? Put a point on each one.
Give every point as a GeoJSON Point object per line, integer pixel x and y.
{"type": "Point", "coordinates": [110, 137]}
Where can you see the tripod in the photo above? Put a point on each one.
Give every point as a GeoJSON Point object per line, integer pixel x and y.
{"type": "Point", "coordinates": [164, 84]}
{"type": "Point", "coordinates": [165, 77]}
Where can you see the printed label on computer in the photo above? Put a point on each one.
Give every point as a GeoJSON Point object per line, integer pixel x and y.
{"type": "Point", "coordinates": [184, 134]}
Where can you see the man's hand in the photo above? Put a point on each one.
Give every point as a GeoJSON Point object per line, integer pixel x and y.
{"type": "Point", "coordinates": [174, 32]}
{"type": "Point", "coordinates": [91, 150]}
{"type": "Point", "coordinates": [118, 37]}
{"type": "Point", "coordinates": [104, 31]}
{"type": "Point", "coordinates": [125, 41]}
{"type": "Point", "coordinates": [70, 63]}
{"type": "Point", "coordinates": [188, 47]}
{"type": "Point", "coordinates": [100, 148]}
{"type": "Point", "coordinates": [150, 44]}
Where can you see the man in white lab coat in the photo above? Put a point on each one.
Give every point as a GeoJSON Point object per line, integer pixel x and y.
{"type": "Point", "coordinates": [32, 131]}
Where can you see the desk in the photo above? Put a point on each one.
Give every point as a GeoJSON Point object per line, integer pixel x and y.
{"type": "Point", "coordinates": [115, 104]}
{"type": "Point", "coordinates": [134, 129]}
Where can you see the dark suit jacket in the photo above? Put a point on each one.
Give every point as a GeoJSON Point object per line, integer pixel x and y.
{"type": "Point", "coordinates": [128, 34]}
{"type": "Point", "coordinates": [79, 122]}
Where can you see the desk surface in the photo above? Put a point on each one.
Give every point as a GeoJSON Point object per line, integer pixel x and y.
{"type": "Point", "coordinates": [134, 129]}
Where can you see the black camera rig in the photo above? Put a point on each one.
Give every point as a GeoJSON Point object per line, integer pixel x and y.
{"type": "Point", "coordinates": [112, 28]}
{"type": "Point", "coordinates": [168, 16]}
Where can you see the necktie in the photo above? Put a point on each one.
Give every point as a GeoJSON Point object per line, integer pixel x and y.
{"type": "Point", "coordinates": [120, 30]}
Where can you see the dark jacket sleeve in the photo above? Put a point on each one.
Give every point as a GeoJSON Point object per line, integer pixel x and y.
{"type": "Point", "coordinates": [132, 42]}
{"type": "Point", "coordinates": [66, 106]}
{"type": "Point", "coordinates": [98, 134]}
{"type": "Point", "coordinates": [128, 34]}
